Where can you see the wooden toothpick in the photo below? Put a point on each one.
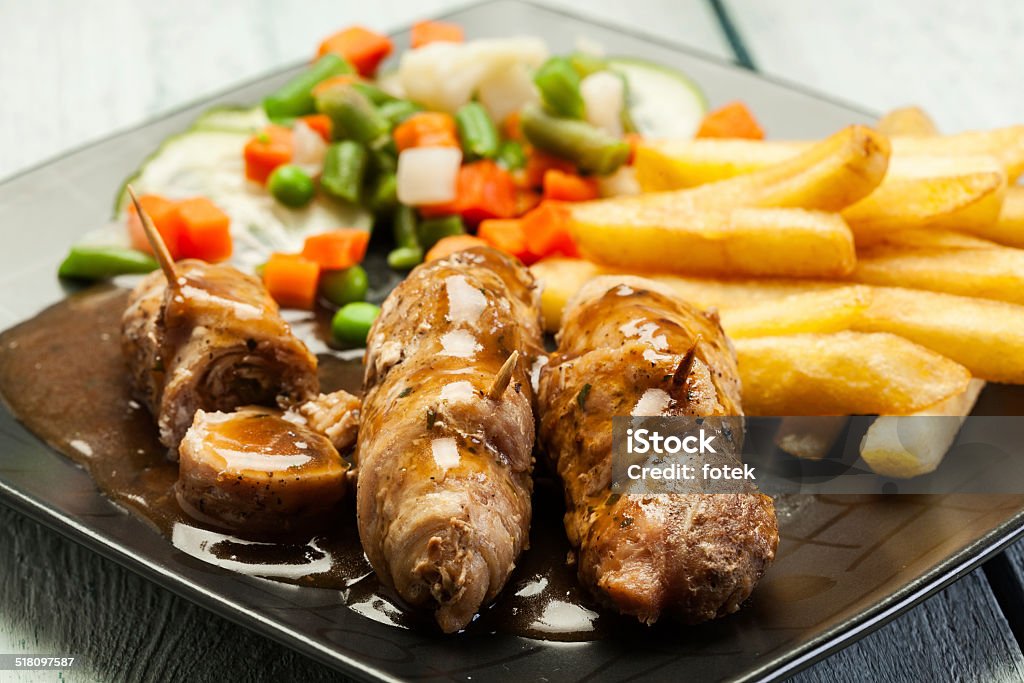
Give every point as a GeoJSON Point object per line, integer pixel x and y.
{"type": "Point", "coordinates": [685, 366]}
{"type": "Point", "coordinates": [503, 377]}
{"type": "Point", "coordinates": [156, 240]}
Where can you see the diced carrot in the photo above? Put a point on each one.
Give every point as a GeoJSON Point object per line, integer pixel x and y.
{"type": "Point", "coordinates": [483, 190]}
{"type": "Point", "coordinates": [446, 246]}
{"type": "Point", "coordinates": [334, 82]}
{"type": "Point", "coordinates": [634, 140]}
{"type": "Point", "coordinates": [362, 48]}
{"type": "Point", "coordinates": [267, 150]}
{"type": "Point", "coordinates": [337, 249]}
{"type": "Point", "coordinates": [569, 187]}
{"type": "Point", "coordinates": [734, 120]}
{"type": "Point", "coordinates": [510, 127]}
{"type": "Point", "coordinates": [525, 201]}
{"type": "Point", "coordinates": [321, 123]}
{"type": "Point", "coordinates": [205, 230]}
{"type": "Point", "coordinates": [164, 214]}
{"type": "Point", "coordinates": [538, 163]}
{"type": "Point", "coordinates": [292, 280]}
{"type": "Point", "coordinates": [546, 230]}
{"type": "Point", "coordinates": [506, 234]}
{"type": "Point", "coordinates": [425, 32]}
{"type": "Point", "coordinates": [426, 129]}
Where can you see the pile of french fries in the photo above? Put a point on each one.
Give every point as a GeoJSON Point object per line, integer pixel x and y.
{"type": "Point", "coordinates": [878, 271]}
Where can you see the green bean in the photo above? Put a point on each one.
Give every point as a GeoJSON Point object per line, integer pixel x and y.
{"type": "Point", "coordinates": [397, 111]}
{"type": "Point", "coordinates": [291, 186]}
{"type": "Point", "coordinates": [477, 133]}
{"type": "Point", "coordinates": [344, 170]}
{"type": "Point", "coordinates": [405, 258]}
{"type": "Point", "coordinates": [295, 98]}
{"type": "Point", "coordinates": [511, 155]}
{"type": "Point", "coordinates": [353, 116]}
{"type": "Point", "coordinates": [351, 324]}
{"type": "Point", "coordinates": [559, 86]}
{"type": "Point", "coordinates": [342, 287]}
{"type": "Point", "coordinates": [591, 149]}
{"type": "Point", "coordinates": [373, 93]}
{"type": "Point", "coordinates": [101, 263]}
{"type": "Point", "coordinates": [435, 229]}
{"type": "Point", "coordinates": [405, 228]}
{"type": "Point", "coordinates": [383, 160]}
{"type": "Point", "coordinates": [385, 192]}
{"type": "Point", "coordinates": [585, 63]}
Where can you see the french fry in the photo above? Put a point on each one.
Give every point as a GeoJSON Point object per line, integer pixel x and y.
{"type": "Point", "coordinates": [813, 311]}
{"type": "Point", "coordinates": [673, 164]}
{"type": "Point", "coordinates": [968, 200]}
{"type": "Point", "coordinates": [991, 273]}
{"type": "Point", "coordinates": [930, 238]}
{"type": "Point", "coordinates": [559, 279]}
{"type": "Point", "coordinates": [741, 242]}
{"type": "Point", "coordinates": [985, 336]}
{"type": "Point", "coordinates": [909, 121]}
{"type": "Point", "coordinates": [810, 438]}
{"type": "Point", "coordinates": [826, 176]}
{"type": "Point", "coordinates": [1009, 228]}
{"type": "Point", "coordinates": [843, 373]}
{"type": "Point", "coordinates": [909, 446]}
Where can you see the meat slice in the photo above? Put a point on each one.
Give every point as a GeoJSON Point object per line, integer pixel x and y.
{"type": "Point", "coordinates": [214, 342]}
{"type": "Point", "coordinates": [444, 457]}
{"type": "Point", "coordinates": [336, 416]}
{"type": "Point", "coordinates": [620, 352]}
{"type": "Point", "coordinates": [255, 472]}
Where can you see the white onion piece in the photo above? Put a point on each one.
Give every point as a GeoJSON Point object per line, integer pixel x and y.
{"type": "Point", "coordinates": [444, 76]}
{"type": "Point", "coordinates": [426, 175]}
{"type": "Point", "coordinates": [603, 98]}
{"type": "Point", "coordinates": [507, 91]}
{"type": "Point", "coordinates": [310, 149]}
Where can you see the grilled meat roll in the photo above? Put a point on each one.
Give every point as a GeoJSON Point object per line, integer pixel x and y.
{"type": "Point", "coordinates": [444, 468]}
{"type": "Point", "coordinates": [695, 556]}
{"type": "Point", "coordinates": [258, 472]}
{"type": "Point", "coordinates": [214, 342]}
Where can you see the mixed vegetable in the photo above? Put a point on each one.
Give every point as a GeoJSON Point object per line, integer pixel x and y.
{"type": "Point", "coordinates": [463, 143]}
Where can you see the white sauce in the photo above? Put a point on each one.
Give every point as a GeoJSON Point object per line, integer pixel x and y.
{"type": "Point", "coordinates": [446, 453]}
{"type": "Point", "coordinates": [653, 402]}
{"type": "Point", "coordinates": [458, 392]}
{"type": "Point", "coordinates": [645, 332]}
{"type": "Point", "coordinates": [459, 344]}
{"type": "Point", "coordinates": [466, 303]}
{"type": "Point", "coordinates": [82, 447]}
{"type": "Point", "coordinates": [242, 310]}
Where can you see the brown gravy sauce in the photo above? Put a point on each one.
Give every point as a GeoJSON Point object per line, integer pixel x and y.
{"type": "Point", "coordinates": [63, 376]}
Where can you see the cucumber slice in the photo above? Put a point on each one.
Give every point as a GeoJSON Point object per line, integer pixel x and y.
{"type": "Point", "coordinates": [210, 163]}
{"type": "Point", "coordinates": [663, 102]}
{"type": "Point", "coordinates": [232, 118]}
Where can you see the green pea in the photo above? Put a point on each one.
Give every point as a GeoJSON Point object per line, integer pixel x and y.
{"type": "Point", "coordinates": [351, 324]}
{"type": "Point", "coordinates": [291, 186]}
{"type": "Point", "coordinates": [405, 258]}
{"type": "Point", "coordinates": [342, 287]}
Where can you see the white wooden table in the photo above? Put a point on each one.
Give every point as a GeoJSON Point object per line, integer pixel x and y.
{"type": "Point", "coordinates": [72, 72]}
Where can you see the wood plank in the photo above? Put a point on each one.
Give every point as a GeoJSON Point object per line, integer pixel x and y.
{"type": "Point", "coordinates": [960, 61]}
{"type": "Point", "coordinates": [958, 635]}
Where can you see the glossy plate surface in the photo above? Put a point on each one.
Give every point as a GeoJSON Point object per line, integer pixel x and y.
{"type": "Point", "coordinates": [845, 564]}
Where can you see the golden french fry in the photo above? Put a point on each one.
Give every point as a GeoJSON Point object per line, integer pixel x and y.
{"type": "Point", "coordinates": [992, 273]}
{"type": "Point", "coordinates": [843, 373]}
{"type": "Point", "coordinates": [741, 242]}
{"type": "Point", "coordinates": [810, 438]}
{"type": "Point", "coordinates": [672, 164]}
{"type": "Point", "coordinates": [813, 311]}
{"type": "Point", "coordinates": [968, 201]}
{"type": "Point", "coordinates": [930, 238]}
{"type": "Point", "coordinates": [1009, 228]}
{"type": "Point", "coordinates": [908, 446]}
{"type": "Point", "coordinates": [559, 279]}
{"type": "Point", "coordinates": [909, 121]}
{"type": "Point", "coordinates": [985, 336]}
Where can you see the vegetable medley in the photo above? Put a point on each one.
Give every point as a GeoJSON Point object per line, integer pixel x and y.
{"type": "Point", "coordinates": [464, 143]}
